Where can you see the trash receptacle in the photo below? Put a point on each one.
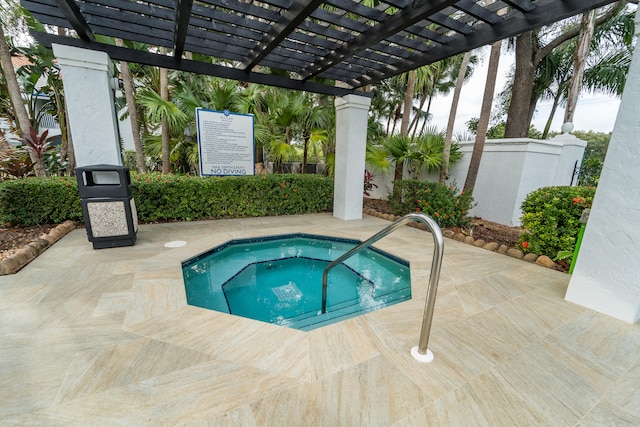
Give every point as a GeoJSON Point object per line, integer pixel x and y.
{"type": "Point", "coordinates": [107, 205]}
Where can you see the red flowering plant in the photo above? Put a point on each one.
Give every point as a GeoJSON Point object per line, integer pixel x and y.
{"type": "Point", "coordinates": [551, 219]}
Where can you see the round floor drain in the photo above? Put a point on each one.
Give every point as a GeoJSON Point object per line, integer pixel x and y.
{"type": "Point", "coordinates": [175, 244]}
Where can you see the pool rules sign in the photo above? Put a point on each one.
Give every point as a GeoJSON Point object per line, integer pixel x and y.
{"type": "Point", "coordinates": [225, 143]}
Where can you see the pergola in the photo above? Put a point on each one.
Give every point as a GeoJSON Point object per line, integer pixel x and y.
{"type": "Point", "coordinates": [340, 48]}
{"type": "Point", "coordinates": [297, 44]}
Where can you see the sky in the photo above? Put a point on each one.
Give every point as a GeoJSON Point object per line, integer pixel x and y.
{"type": "Point", "coordinates": [596, 112]}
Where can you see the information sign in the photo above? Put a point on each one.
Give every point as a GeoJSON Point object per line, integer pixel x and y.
{"type": "Point", "coordinates": [225, 143]}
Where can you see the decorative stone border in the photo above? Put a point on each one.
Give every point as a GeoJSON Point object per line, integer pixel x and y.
{"type": "Point", "coordinates": [542, 260]}
{"type": "Point", "coordinates": [25, 255]}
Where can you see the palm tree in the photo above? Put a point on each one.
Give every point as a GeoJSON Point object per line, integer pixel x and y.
{"type": "Point", "coordinates": [407, 105]}
{"type": "Point", "coordinates": [164, 95]}
{"type": "Point", "coordinates": [446, 151]}
{"type": "Point", "coordinates": [432, 79]}
{"type": "Point", "coordinates": [530, 49]}
{"type": "Point", "coordinates": [23, 123]}
{"type": "Point", "coordinates": [388, 96]}
{"type": "Point", "coordinates": [129, 92]}
{"type": "Point", "coordinates": [398, 148]}
{"type": "Point", "coordinates": [156, 112]}
{"type": "Point", "coordinates": [315, 122]}
{"type": "Point", "coordinates": [426, 152]}
{"type": "Point", "coordinates": [587, 28]}
{"type": "Point", "coordinates": [552, 79]}
{"type": "Point", "coordinates": [286, 111]}
{"type": "Point", "coordinates": [485, 113]}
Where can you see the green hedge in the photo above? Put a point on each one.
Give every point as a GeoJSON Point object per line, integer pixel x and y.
{"type": "Point", "coordinates": [158, 197]}
{"type": "Point", "coordinates": [551, 220]}
{"type": "Point", "coordinates": [32, 201]}
{"type": "Point", "coordinates": [441, 202]}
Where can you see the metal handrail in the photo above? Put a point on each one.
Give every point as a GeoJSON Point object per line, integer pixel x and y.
{"type": "Point", "coordinates": [420, 352]}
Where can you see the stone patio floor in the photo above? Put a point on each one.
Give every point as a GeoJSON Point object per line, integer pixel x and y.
{"type": "Point", "coordinates": [104, 337]}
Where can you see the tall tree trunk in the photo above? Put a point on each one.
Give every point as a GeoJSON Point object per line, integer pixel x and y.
{"type": "Point", "coordinates": [554, 106]}
{"type": "Point", "coordinates": [528, 55]}
{"type": "Point", "coordinates": [399, 171]}
{"type": "Point", "coordinates": [15, 95]}
{"type": "Point", "coordinates": [166, 149]}
{"type": "Point", "coordinates": [582, 50]}
{"type": "Point", "coordinates": [518, 117]}
{"type": "Point", "coordinates": [71, 154]}
{"type": "Point", "coordinates": [485, 114]}
{"type": "Point", "coordinates": [408, 102]}
{"type": "Point", "coordinates": [414, 122]}
{"type": "Point", "coordinates": [305, 152]}
{"type": "Point", "coordinates": [127, 80]}
{"type": "Point", "coordinates": [446, 152]}
{"type": "Point", "coordinates": [424, 123]}
{"type": "Point", "coordinates": [388, 125]}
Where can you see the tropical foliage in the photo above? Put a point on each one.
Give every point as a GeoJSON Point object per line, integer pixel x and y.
{"type": "Point", "coordinates": [295, 126]}
{"type": "Point", "coordinates": [544, 63]}
{"type": "Point", "coordinates": [444, 203]}
{"type": "Point", "coordinates": [551, 219]}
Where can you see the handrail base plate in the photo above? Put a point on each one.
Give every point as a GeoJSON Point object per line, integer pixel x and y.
{"type": "Point", "coordinates": [422, 358]}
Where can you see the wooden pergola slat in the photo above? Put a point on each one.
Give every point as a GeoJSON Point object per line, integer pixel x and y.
{"type": "Point", "coordinates": [342, 40]}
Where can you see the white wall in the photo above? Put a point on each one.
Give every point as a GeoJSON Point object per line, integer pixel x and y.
{"type": "Point", "coordinates": [510, 169]}
{"type": "Point", "coordinates": [606, 276]}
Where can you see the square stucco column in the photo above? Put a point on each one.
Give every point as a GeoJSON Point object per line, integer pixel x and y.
{"type": "Point", "coordinates": [351, 141]}
{"type": "Point", "coordinates": [87, 78]}
{"type": "Point", "coordinates": [606, 277]}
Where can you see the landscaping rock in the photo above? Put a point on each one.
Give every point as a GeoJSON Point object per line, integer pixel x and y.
{"type": "Point", "coordinates": [12, 264]}
{"type": "Point", "coordinates": [491, 246]}
{"type": "Point", "coordinates": [516, 253]}
{"type": "Point", "coordinates": [459, 237]}
{"type": "Point", "coordinates": [448, 234]}
{"type": "Point", "coordinates": [545, 261]}
{"type": "Point", "coordinates": [31, 250]}
{"type": "Point", "coordinates": [503, 249]}
{"type": "Point", "coordinates": [9, 265]}
{"type": "Point", "coordinates": [41, 244]}
{"type": "Point", "coordinates": [479, 243]}
{"type": "Point", "coordinates": [468, 240]}
{"type": "Point", "coordinates": [56, 233]}
{"type": "Point", "coordinates": [22, 257]}
{"type": "Point", "coordinates": [530, 257]}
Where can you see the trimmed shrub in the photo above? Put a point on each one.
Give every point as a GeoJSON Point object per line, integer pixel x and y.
{"type": "Point", "coordinates": [551, 220]}
{"type": "Point", "coordinates": [172, 197]}
{"type": "Point", "coordinates": [175, 197]}
{"type": "Point", "coordinates": [441, 202]}
{"type": "Point", "coordinates": [33, 201]}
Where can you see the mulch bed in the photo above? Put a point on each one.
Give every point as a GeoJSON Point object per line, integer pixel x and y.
{"type": "Point", "coordinates": [479, 229]}
{"type": "Point", "coordinates": [14, 238]}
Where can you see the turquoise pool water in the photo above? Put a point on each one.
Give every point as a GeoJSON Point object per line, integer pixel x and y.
{"type": "Point", "coordinates": [278, 279]}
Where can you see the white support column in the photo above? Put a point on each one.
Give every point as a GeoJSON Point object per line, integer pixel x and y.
{"type": "Point", "coordinates": [351, 140]}
{"type": "Point", "coordinates": [606, 277]}
{"type": "Point", "coordinates": [87, 79]}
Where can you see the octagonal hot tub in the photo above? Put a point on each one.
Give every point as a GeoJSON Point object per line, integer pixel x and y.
{"type": "Point", "coordinates": [278, 279]}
